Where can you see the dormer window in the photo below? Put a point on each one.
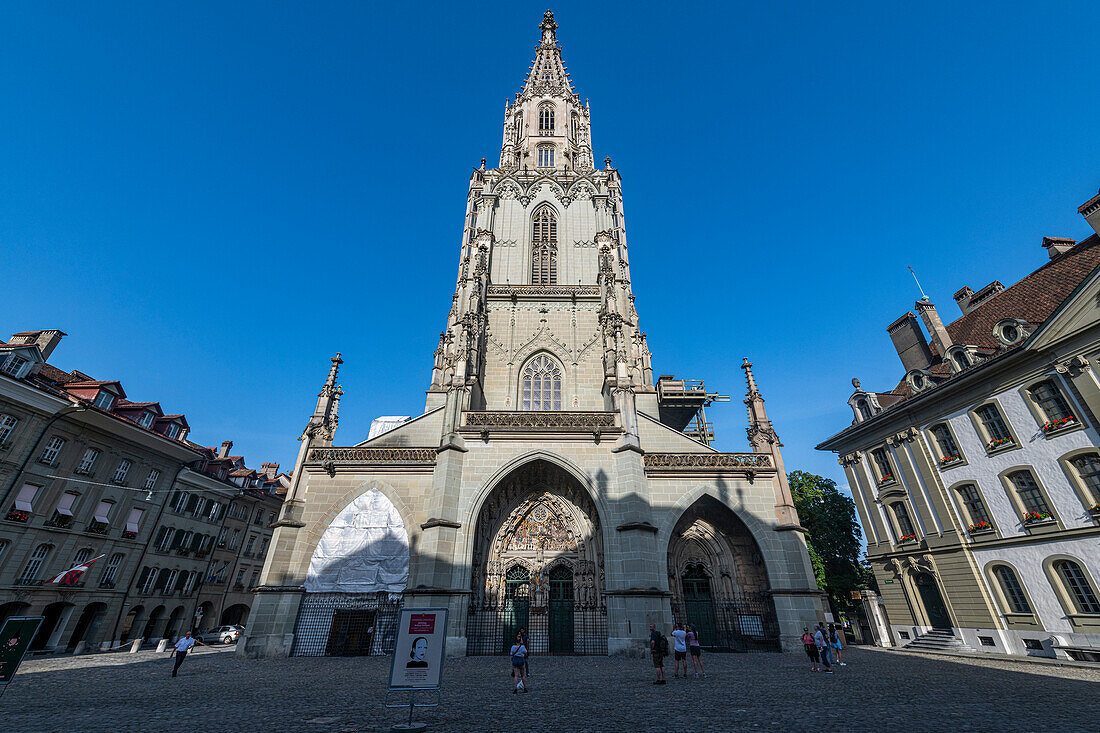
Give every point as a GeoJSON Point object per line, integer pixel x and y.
{"type": "Point", "coordinates": [962, 361]}
{"type": "Point", "coordinates": [104, 400]}
{"type": "Point", "coordinates": [919, 382]}
{"type": "Point", "coordinates": [864, 408]}
{"type": "Point", "coordinates": [172, 430]}
{"type": "Point", "coordinates": [146, 419]}
{"type": "Point", "coordinates": [1010, 332]}
{"type": "Point", "coordinates": [14, 365]}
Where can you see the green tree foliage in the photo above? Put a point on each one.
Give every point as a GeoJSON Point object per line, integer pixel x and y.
{"type": "Point", "coordinates": [834, 537]}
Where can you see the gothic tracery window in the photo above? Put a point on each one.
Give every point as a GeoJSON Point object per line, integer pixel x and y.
{"type": "Point", "coordinates": [546, 120]}
{"type": "Point", "coordinates": [544, 247]}
{"type": "Point", "coordinates": [541, 384]}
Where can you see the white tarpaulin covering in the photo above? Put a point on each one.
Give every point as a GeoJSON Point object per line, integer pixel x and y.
{"type": "Point", "coordinates": [364, 550]}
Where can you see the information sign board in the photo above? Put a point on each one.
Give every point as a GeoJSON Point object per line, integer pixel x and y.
{"type": "Point", "coordinates": [418, 651]}
{"type": "Point", "coordinates": [15, 636]}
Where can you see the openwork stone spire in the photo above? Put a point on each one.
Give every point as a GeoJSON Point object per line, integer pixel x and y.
{"type": "Point", "coordinates": [548, 71]}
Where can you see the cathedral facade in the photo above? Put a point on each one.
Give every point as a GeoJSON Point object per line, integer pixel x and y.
{"type": "Point", "coordinates": [551, 482]}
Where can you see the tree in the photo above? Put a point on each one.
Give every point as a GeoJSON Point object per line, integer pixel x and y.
{"type": "Point", "coordinates": [834, 537]}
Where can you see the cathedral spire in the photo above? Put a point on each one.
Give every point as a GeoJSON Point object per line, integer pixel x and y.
{"type": "Point", "coordinates": [763, 439]}
{"type": "Point", "coordinates": [548, 70]}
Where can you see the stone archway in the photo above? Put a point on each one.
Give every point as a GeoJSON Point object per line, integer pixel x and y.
{"type": "Point", "coordinates": [538, 563]}
{"type": "Point", "coordinates": [719, 580]}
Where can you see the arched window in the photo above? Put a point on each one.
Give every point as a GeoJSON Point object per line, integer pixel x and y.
{"type": "Point", "coordinates": [544, 247]}
{"type": "Point", "coordinates": [1012, 590]}
{"type": "Point", "coordinates": [541, 384]}
{"type": "Point", "coordinates": [576, 126]}
{"type": "Point", "coordinates": [519, 125]}
{"type": "Point", "coordinates": [864, 408]}
{"type": "Point", "coordinates": [962, 361]}
{"type": "Point", "coordinates": [1077, 586]}
{"type": "Point", "coordinates": [29, 576]}
{"type": "Point", "coordinates": [546, 120]}
{"type": "Point", "coordinates": [905, 524]}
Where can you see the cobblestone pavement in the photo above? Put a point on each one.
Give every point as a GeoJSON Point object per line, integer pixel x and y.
{"type": "Point", "coordinates": [878, 690]}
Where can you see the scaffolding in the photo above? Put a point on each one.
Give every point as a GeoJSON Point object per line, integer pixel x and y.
{"type": "Point", "coordinates": [682, 404]}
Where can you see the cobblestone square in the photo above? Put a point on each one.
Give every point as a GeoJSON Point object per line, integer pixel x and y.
{"type": "Point", "coordinates": [878, 690]}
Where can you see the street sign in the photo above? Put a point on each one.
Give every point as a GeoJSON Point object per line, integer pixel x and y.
{"type": "Point", "coordinates": [856, 595]}
{"type": "Point", "coordinates": [15, 636]}
{"type": "Point", "coordinates": [418, 651]}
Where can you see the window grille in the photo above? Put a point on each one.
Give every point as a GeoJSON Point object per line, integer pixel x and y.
{"type": "Point", "coordinates": [151, 479]}
{"type": "Point", "coordinates": [34, 565]}
{"type": "Point", "coordinates": [1077, 583]}
{"type": "Point", "coordinates": [905, 524]}
{"type": "Point", "coordinates": [110, 574]}
{"type": "Point", "coordinates": [1088, 468]}
{"type": "Point", "coordinates": [1013, 591]}
{"type": "Point", "coordinates": [7, 425]}
{"type": "Point", "coordinates": [88, 461]}
{"type": "Point", "coordinates": [546, 120]}
{"type": "Point", "coordinates": [972, 500]}
{"type": "Point", "coordinates": [121, 471]}
{"type": "Point", "coordinates": [994, 424]}
{"type": "Point", "coordinates": [882, 462]}
{"type": "Point", "coordinates": [544, 247]}
{"type": "Point", "coordinates": [1028, 491]}
{"type": "Point", "coordinates": [541, 384]}
{"type": "Point", "coordinates": [1051, 401]}
{"type": "Point", "coordinates": [546, 157]}
{"type": "Point", "coordinates": [945, 440]}
{"type": "Point", "coordinates": [49, 454]}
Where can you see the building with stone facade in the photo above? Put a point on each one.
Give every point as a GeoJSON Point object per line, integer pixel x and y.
{"type": "Point", "coordinates": [977, 477]}
{"type": "Point", "coordinates": [549, 482]}
{"type": "Point", "coordinates": [87, 474]}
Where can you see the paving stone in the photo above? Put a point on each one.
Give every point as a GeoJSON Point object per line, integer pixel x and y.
{"type": "Point", "coordinates": [879, 690]}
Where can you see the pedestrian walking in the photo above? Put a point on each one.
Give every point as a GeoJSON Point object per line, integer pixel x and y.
{"type": "Point", "coordinates": [811, 649]}
{"type": "Point", "coordinates": [527, 659]}
{"type": "Point", "coordinates": [821, 641]}
{"type": "Point", "coordinates": [834, 639]}
{"type": "Point", "coordinates": [696, 651]}
{"type": "Point", "coordinates": [183, 645]}
{"type": "Point", "coordinates": [658, 649]}
{"type": "Point", "coordinates": [679, 649]}
{"type": "Point", "coordinates": [519, 664]}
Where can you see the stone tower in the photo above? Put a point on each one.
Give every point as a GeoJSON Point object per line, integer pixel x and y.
{"type": "Point", "coordinates": [550, 482]}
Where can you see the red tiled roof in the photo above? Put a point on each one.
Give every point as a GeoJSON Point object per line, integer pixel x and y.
{"type": "Point", "coordinates": [1032, 299]}
{"type": "Point", "coordinates": [1087, 204]}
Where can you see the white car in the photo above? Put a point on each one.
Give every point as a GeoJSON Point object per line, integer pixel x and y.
{"type": "Point", "coordinates": [223, 634]}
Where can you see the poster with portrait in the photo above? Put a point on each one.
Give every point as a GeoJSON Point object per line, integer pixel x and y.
{"type": "Point", "coordinates": [418, 651]}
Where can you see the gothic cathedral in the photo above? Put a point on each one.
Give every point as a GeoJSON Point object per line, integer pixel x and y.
{"type": "Point", "coordinates": [550, 483]}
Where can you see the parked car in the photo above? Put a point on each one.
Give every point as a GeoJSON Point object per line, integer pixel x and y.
{"type": "Point", "coordinates": [223, 634]}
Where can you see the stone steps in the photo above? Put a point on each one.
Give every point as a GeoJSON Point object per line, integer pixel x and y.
{"type": "Point", "coordinates": [939, 640]}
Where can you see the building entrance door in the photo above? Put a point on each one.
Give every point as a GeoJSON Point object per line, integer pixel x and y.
{"type": "Point", "coordinates": [351, 633]}
{"type": "Point", "coordinates": [561, 610]}
{"type": "Point", "coordinates": [517, 602]}
{"type": "Point", "coordinates": [698, 603]}
{"type": "Point", "coordinates": [934, 606]}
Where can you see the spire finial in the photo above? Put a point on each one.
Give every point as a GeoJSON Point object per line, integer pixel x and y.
{"type": "Point", "coordinates": [548, 27]}
{"type": "Point", "coordinates": [330, 382]}
{"type": "Point", "coordinates": [747, 366]}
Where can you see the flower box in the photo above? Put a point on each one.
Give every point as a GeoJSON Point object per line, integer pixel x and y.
{"type": "Point", "coordinates": [1037, 518]}
{"type": "Point", "coordinates": [61, 521]}
{"type": "Point", "coordinates": [907, 538]}
{"type": "Point", "coordinates": [980, 528]}
{"type": "Point", "coordinates": [1051, 426]}
{"type": "Point", "coordinates": [887, 479]}
{"type": "Point", "coordinates": [99, 527]}
{"type": "Point", "coordinates": [18, 515]}
{"type": "Point", "coordinates": [948, 460]}
{"type": "Point", "coordinates": [998, 443]}
{"type": "Point", "coordinates": [129, 535]}
{"type": "Point", "coordinates": [1095, 511]}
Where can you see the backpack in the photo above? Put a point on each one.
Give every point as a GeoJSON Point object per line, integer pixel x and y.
{"type": "Point", "coordinates": [662, 645]}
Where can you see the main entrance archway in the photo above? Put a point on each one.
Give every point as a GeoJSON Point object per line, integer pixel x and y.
{"type": "Point", "coordinates": [930, 598]}
{"type": "Point", "coordinates": [719, 581]}
{"type": "Point", "coordinates": [538, 565]}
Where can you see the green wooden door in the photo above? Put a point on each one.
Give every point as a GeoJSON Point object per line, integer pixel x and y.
{"type": "Point", "coordinates": [698, 604]}
{"type": "Point", "coordinates": [561, 610]}
{"type": "Point", "coordinates": [517, 584]}
{"type": "Point", "coordinates": [933, 602]}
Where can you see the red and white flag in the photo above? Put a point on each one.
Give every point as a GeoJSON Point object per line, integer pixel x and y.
{"type": "Point", "coordinates": [72, 575]}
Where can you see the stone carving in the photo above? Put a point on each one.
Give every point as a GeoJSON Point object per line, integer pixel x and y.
{"type": "Point", "coordinates": [540, 419]}
{"type": "Point", "coordinates": [372, 455]}
{"type": "Point", "coordinates": [1070, 367]}
{"type": "Point", "coordinates": [708, 460]}
{"type": "Point", "coordinates": [538, 291]}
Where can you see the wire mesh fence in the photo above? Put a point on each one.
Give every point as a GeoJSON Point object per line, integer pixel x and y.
{"type": "Point", "coordinates": [732, 624]}
{"type": "Point", "coordinates": [346, 625]}
{"type": "Point", "coordinates": [563, 628]}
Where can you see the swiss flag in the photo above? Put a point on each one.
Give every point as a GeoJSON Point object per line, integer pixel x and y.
{"type": "Point", "coordinates": [72, 575]}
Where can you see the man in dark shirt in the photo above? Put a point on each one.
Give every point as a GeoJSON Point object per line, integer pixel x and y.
{"type": "Point", "coordinates": [657, 653]}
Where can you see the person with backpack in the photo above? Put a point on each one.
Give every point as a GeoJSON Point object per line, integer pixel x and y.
{"type": "Point", "coordinates": [696, 651]}
{"type": "Point", "coordinates": [835, 645]}
{"type": "Point", "coordinates": [811, 649]}
{"type": "Point", "coordinates": [821, 641]}
{"type": "Point", "coordinates": [519, 664]}
{"type": "Point", "coordinates": [658, 649]}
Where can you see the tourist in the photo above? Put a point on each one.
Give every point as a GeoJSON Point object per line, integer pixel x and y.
{"type": "Point", "coordinates": [658, 648]}
{"type": "Point", "coordinates": [679, 649]}
{"type": "Point", "coordinates": [519, 664]}
{"type": "Point", "coordinates": [811, 649]}
{"type": "Point", "coordinates": [527, 659]}
{"type": "Point", "coordinates": [834, 642]}
{"type": "Point", "coordinates": [696, 650]}
{"type": "Point", "coordinates": [182, 647]}
{"type": "Point", "coordinates": [821, 641]}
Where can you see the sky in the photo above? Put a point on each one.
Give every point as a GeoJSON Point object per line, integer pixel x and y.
{"type": "Point", "coordinates": [212, 199]}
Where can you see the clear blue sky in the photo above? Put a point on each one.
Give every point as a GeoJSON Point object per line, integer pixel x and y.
{"type": "Point", "coordinates": [213, 198]}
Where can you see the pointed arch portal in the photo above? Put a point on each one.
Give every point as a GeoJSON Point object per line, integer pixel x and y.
{"type": "Point", "coordinates": [718, 580]}
{"type": "Point", "coordinates": [537, 565]}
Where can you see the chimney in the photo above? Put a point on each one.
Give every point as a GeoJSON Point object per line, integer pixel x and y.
{"type": "Point", "coordinates": [934, 326]}
{"type": "Point", "coordinates": [909, 341]}
{"type": "Point", "coordinates": [226, 447]}
{"type": "Point", "coordinates": [1057, 245]}
{"type": "Point", "coordinates": [962, 298]}
{"type": "Point", "coordinates": [1091, 211]}
{"type": "Point", "coordinates": [271, 470]}
{"type": "Point", "coordinates": [47, 341]}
